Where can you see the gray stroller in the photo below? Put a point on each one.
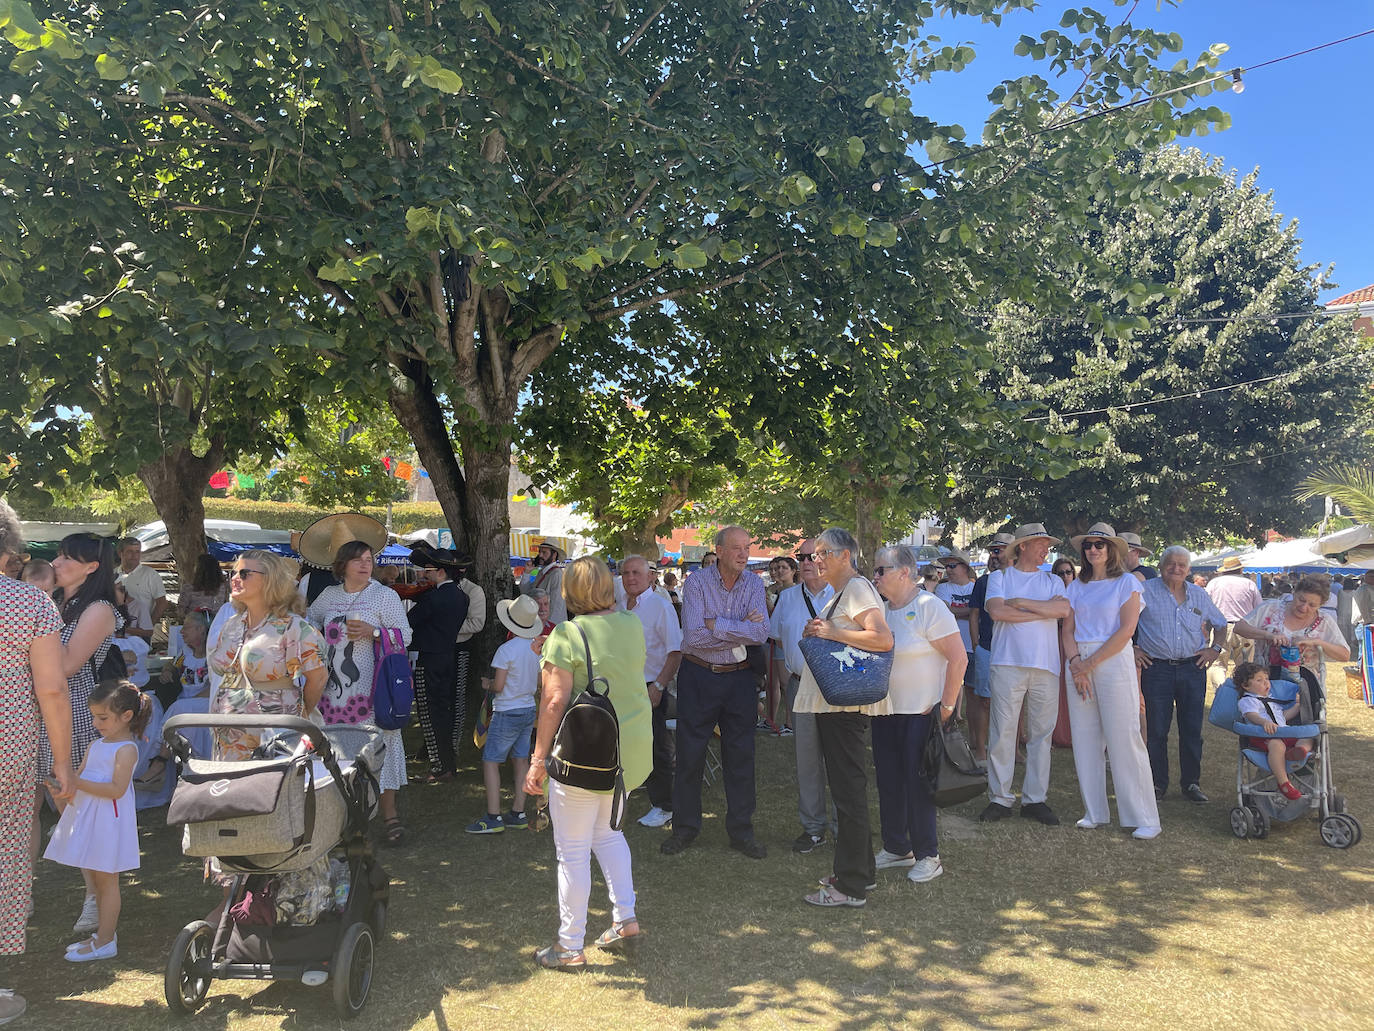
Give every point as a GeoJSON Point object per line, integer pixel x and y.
{"type": "Point", "coordinates": [290, 822]}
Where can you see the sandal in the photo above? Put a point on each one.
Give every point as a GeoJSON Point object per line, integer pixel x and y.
{"type": "Point", "coordinates": [614, 940]}
{"type": "Point", "coordinates": [830, 898]}
{"type": "Point", "coordinates": [395, 831]}
{"type": "Point", "coordinates": [439, 778]}
{"type": "Point", "coordinates": [555, 957]}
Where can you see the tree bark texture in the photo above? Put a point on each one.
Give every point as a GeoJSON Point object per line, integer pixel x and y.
{"type": "Point", "coordinates": [176, 483]}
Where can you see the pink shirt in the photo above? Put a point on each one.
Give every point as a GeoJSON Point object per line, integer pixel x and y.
{"type": "Point", "coordinates": [1235, 596]}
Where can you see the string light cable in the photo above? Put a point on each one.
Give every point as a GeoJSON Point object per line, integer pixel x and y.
{"type": "Point", "coordinates": [1236, 75]}
{"type": "Point", "coordinates": [1174, 321]}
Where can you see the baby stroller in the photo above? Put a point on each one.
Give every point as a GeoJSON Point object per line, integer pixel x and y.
{"type": "Point", "coordinates": [307, 900]}
{"type": "Point", "coordinates": [1258, 800]}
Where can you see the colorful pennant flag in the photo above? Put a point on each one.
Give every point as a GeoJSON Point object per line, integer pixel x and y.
{"type": "Point", "coordinates": [246, 482]}
{"type": "Point", "coordinates": [404, 470]}
{"type": "Point", "coordinates": [220, 481]}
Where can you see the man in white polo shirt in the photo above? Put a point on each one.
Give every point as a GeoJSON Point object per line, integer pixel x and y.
{"type": "Point", "coordinates": [1026, 604]}
{"type": "Point", "coordinates": [662, 655]}
{"type": "Point", "coordinates": [146, 591]}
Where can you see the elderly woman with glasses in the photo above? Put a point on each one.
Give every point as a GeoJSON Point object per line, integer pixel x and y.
{"type": "Point", "coordinates": [1104, 706]}
{"type": "Point", "coordinates": [854, 617]}
{"type": "Point", "coordinates": [1295, 634]}
{"type": "Point", "coordinates": [928, 665]}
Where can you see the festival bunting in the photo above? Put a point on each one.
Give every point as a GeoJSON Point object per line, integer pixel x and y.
{"type": "Point", "coordinates": [220, 481]}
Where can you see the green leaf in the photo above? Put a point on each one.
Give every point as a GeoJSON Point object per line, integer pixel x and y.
{"type": "Point", "coordinates": [109, 68]}
{"type": "Point", "coordinates": [560, 278]}
{"type": "Point", "coordinates": [855, 149]}
{"type": "Point", "coordinates": [590, 259]}
{"type": "Point", "coordinates": [689, 256]}
{"type": "Point", "coordinates": [442, 79]}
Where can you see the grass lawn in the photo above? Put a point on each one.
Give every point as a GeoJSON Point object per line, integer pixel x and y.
{"type": "Point", "coordinates": [1030, 927]}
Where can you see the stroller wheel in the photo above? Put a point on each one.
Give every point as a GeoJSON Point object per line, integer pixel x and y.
{"type": "Point", "coordinates": [1340, 830]}
{"type": "Point", "coordinates": [351, 970]}
{"type": "Point", "coordinates": [1240, 822]}
{"type": "Point", "coordinates": [188, 975]}
{"type": "Point", "coordinates": [1259, 823]}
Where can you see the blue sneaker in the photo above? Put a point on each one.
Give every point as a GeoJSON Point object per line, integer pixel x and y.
{"type": "Point", "coordinates": [515, 821]}
{"type": "Point", "coordinates": [488, 824]}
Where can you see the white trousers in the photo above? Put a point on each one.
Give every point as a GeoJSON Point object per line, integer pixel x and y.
{"type": "Point", "coordinates": [1107, 726]}
{"type": "Point", "coordinates": [1038, 690]}
{"type": "Point", "coordinates": [582, 826]}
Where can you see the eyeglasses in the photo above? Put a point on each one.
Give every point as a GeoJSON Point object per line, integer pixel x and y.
{"type": "Point", "coordinates": [995, 551]}
{"type": "Point", "coordinates": [823, 553]}
{"type": "Point", "coordinates": [1094, 545]}
{"type": "Point", "coordinates": [806, 556]}
{"type": "Point", "coordinates": [244, 574]}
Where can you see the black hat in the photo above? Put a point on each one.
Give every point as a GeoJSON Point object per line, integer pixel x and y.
{"type": "Point", "coordinates": [426, 555]}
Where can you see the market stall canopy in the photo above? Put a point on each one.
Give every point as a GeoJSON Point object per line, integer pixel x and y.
{"type": "Point", "coordinates": [1295, 556]}
{"type": "Point", "coordinates": [1351, 548]}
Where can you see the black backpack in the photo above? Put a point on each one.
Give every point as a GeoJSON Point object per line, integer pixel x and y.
{"type": "Point", "coordinates": [113, 667]}
{"type": "Point", "coordinates": [586, 749]}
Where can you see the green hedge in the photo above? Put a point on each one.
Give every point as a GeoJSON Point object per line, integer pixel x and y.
{"type": "Point", "coordinates": [270, 515]}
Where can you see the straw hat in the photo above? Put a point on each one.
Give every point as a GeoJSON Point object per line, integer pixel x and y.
{"type": "Point", "coordinates": [1231, 564]}
{"type": "Point", "coordinates": [999, 540]}
{"type": "Point", "coordinates": [1101, 531]}
{"type": "Point", "coordinates": [954, 558]}
{"type": "Point", "coordinates": [323, 538]}
{"type": "Point", "coordinates": [520, 617]}
{"type": "Point", "coordinates": [560, 545]}
{"type": "Point", "coordinates": [1133, 541]}
{"type": "Point", "coordinates": [1031, 532]}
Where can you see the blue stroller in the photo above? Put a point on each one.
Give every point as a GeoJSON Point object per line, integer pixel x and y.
{"type": "Point", "coordinates": [1258, 801]}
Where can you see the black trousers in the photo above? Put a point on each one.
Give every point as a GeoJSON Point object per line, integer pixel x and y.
{"type": "Point", "coordinates": [843, 745]}
{"type": "Point", "coordinates": [705, 700]}
{"type": "Point", "coordinates": [660, 783]}
{"type": "Point", "coordinates": [436, 692]}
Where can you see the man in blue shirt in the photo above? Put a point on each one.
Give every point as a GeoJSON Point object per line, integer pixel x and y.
{"type": "Point", "coordinates": [1172, 653]}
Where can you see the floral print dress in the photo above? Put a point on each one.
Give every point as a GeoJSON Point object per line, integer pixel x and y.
{"type": "Point", "coordinates": [263, 669]}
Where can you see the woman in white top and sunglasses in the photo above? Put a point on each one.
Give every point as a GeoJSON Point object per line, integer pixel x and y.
{"type": "Point", "coordinates": [1104, 705]}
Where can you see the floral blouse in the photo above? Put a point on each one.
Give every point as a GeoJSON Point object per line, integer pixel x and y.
{"type": "Point", "coordinates": [267, 677]}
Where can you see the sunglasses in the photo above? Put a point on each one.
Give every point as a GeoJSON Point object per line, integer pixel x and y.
{"type": "Point", "coordinates": [1094, 545]}
{"type": "Point", "coordinates": [995, 551]}
{"type": "Point", "coordinates": [806, 556]}
{"type": "Point", "coordinates": [880, 570]}
{"type": "Point", "coordinates": [541, 814]}
{"type": "Point", "coordinates": [244, 574]}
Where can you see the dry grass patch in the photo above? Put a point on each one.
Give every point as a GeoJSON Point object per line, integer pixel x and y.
{"type": "Point", "coordinates": [1029, 928]}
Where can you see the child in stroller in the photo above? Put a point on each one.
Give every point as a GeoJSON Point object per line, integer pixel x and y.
{"type": "Point", "coordinates": [1255, 706]}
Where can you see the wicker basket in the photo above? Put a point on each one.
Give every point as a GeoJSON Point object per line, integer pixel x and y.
{"type": "Point", "coordinates": [1354, 682]}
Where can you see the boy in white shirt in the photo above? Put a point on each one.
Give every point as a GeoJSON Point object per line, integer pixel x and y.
{"type": "Point", "coordinates": [514, 683]}
{"type": "Point", "coordinates": [1252, 681]}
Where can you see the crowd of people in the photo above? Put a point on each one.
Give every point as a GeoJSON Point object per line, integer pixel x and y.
{"type": "Point", "coordinates": [1104, 653]}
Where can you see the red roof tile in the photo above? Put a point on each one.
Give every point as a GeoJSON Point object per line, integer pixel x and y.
{"type": "Point", "coordinates": [1354, 297]}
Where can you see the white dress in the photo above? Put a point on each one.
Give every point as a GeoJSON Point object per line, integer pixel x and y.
{"type": "Point", "coordinates": [98, 833]}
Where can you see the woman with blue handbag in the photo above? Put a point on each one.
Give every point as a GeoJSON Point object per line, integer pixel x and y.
{"type": "Point", "coordinates": [854, 663]}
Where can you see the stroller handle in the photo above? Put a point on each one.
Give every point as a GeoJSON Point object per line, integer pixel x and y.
{"type": "Point", "coordinates": [245, 721]}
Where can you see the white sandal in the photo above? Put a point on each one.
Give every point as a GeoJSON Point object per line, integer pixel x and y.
{"type": "Point", "coordinates": [831, 898]}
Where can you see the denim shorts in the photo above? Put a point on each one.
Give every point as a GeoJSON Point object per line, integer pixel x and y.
{"type": "Point", "coordinates": [508, 737]}
{"type": "Point", "coordinates": [982, 672]}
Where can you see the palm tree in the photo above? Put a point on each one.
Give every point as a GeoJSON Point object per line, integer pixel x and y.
{"type": "Point", "coordinates": [1350, 486]}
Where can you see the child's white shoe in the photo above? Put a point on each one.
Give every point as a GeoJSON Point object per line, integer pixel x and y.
{"type": "Point", "coordinates": [89, 919]}
{"type": "Point", "coordinates": [87, 951]}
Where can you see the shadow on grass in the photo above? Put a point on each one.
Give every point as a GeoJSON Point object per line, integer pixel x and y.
{"type": "Point", "coordinates": [1030, 927]}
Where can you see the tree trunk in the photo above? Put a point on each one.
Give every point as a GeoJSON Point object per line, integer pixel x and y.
{"type": "Point", "coordinates": [868, 531]}
{"type": "Point", "coordinates": [642, 541]}
{"type": "Point", "coordinates": [487, 475]}
{"type": "Point", "coordinates": [176, 483]}
{"type": "Point", "coordinates": [420, 414]}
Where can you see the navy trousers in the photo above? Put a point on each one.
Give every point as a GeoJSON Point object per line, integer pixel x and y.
{"type": "Point", "coordinates": [906, 807]}
{"type": "Point", "coordinates": [659, 786]}
{"type": "Point", "coordinates": [705, 700]}
{"type": "Point", "coordinates": [1167, 689]}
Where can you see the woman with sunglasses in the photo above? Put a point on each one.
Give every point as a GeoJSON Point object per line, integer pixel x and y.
{"type": "Point", "coordinates": [1063, 568]}
{"type": "Point", "coordinates": [85, 597]}
{"type": "Point", "coordinates": [1104, 706]}
{"type": "Point", "coordinates": [271, 659]}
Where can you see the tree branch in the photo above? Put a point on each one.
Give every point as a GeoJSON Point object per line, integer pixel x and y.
{"type": "Point", "coordinates": [639, 32]}
{"type": "Point", "coordinates": [606, 314]}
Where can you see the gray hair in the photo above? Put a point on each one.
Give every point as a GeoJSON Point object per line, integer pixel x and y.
{"type": "Point", "coordinates": [539, 594]}
{"type": "Point", "coordinates": [11, 533]}
{"type": "Point", "coordinates": [899, 555]}
{"type": "Point", "coordinates": [633, 558]}
{"type": "Point", "coordinates": [841, 540]}
{"type": "Point", "coordinates": [719, 540]}
{"type": "Point", "coordinates": [1173, 550]}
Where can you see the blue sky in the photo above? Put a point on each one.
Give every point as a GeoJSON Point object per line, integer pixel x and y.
{"type": "Point", "coordinates": [1305, 123]}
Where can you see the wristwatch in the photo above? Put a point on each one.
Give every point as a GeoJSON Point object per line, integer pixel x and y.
{"type": "Point", "coordinates": [376, 633]}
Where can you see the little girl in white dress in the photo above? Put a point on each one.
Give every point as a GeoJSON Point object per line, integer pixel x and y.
{"type": "Point", "coordinates": [98, 830]}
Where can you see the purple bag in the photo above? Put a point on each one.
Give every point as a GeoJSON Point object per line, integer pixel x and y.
{"type": "Point", "coordinates": [393, 687]}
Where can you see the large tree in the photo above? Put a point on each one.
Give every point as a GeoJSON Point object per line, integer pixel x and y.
{"type": "Point", "coordinates": [1222, 387]}
{"type": "Point", "coordinates": [453, 189]}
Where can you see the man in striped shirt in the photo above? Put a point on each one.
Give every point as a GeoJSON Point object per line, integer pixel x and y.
{"type": "Point", "coordinates": [724, 610]}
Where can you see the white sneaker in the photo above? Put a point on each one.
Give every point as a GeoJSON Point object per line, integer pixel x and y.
{"type": "Point", "coordinates": [1146, 833]}
{"type": "Point", "coordinates": [1086, 824]}
{"type": "Point", "coordinates": [89, 919]}
{"type": "Point", "coordinates": [926, 870]}
{"type": "Point", "coordinates": [885, 860]}
{"type": "Point", "coordinates": [656, 817]}
{"type": "Point", "coordinates": [11, 1006]}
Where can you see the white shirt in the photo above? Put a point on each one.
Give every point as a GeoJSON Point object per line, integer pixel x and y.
{"type": "Point", "coordinates": [662, 632]}
{"type": "Point", "coordinates": [522, 675]}
{"type": "Point", "coordinates": [143, 583]}
{"type": "Point", "coordinates": [1252, 703]}
{"type": "Point", "coordinates": [138, 669]}
{"type": "Point", "coordinates": [790, 616]}
{"type": "Point", "coordinates": [211, 639]}
{"type": "Point", "coordinates": [1035, 644]}
{"type": "Point", "coordinates": [956, 596]}
{"type": "Point", "coordinates": [1097, 606]}
{"type": "Point", "coordinates": [477, 610]}
{"type": "Point", "coordinates": [918, 670]}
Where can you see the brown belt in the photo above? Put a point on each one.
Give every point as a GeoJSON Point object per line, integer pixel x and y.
{"type": "Point", "coordinates": [728, 667]}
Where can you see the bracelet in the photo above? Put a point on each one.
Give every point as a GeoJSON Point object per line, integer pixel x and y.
{"type": "Point", "coordinates": [536, 761]}
{"type": "Point", "coordinates": [1075, 658]}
